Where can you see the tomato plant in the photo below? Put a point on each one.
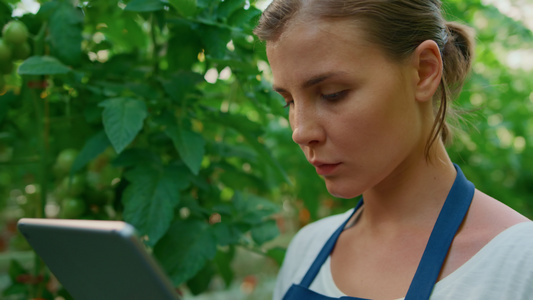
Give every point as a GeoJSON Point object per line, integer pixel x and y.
{"type": "Point", "coordinates": [152, 112]}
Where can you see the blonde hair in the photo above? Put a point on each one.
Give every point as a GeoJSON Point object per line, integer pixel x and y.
{"type": "Point", "coordinates": [398, 27]}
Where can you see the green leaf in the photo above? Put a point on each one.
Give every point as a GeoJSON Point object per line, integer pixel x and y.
{"type": "Point", "coordinates": [264, 232]}
{"type": "Point", "coordinates": [252, 209]}
{"type": "Point", "coordinates": [185, 249]}
{"type": "Point", "coordinates": [123, 119]}
{"type": "Point", "coordinates": [144, 5]}
{"type": "Point", "coordinates": [126, 36]}
{"type": "Point", "coordinates": [15, 269]}
{"type": "Point", "coordinates": [244, 18]}
{"type": "Point", "coordinates": [190, 145]}
{"type": "Point", "coordinates": [247, 203]}
{"type": "Point", "coordinates": [134, 156]}
{"type": "Point", "coordinates": [200, 282]}
{"type": "Point", "coordinates": [226, 8]}
{"type": "Point", "coordinates": [5, 13]}
{"type": "Point", "coordinates": [183, 46]}
{"type": "Point", "coordinates": [65, 28]}
{"type": "Point", "coordinates": [277, 254]}
{"type": "Point", "coordinates": [92, 148]}
{"type": "Point", "coordinates": [16, 289]}
{"type": "Point", "coordinates": [47, 9]}
{"type": "Point", "coordinates": [223, 261]}
{"type": "Point", "coordinates": [42, 65]}
{"type": "Point", "coordinates": [250, 131]}
{"type": "Point", "coordinates": [5, 101]}
{"type": "Point", "coordinates": [151, 197]}
{"type": "Point", "coordinates": [214, 39]}
{"type": "Point", "coordinates": [235, 178]}
{"type": "Point", "coordinates": [226, 234]}
{"type": "Point", "coordinates": [181, 84]}
{"type": "Point", "coordinates": [186, 8]}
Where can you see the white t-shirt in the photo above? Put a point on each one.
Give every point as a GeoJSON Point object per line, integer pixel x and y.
{"type": "Point", "coordinates": [502, 270]}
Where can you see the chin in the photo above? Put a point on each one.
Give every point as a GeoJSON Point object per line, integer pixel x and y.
{"type": "Point", "coordinates": [346, 192]}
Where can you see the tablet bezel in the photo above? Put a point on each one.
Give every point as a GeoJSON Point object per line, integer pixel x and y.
{"type": "Point", "coordinates": [97, 259]}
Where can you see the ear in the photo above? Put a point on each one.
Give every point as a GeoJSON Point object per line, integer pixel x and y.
{"type": "Point", "coordinates": [428, 64]}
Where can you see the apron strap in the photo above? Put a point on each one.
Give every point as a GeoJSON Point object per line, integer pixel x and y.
{"type": "Point", "coordinates": [326, 250]}
{"type": "Point", "coordinates": [450, 219]}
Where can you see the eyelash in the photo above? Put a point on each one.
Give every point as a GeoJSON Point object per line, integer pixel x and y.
{"type": "Point", "coordinates": [334, 96]}
{"type": "Point", "coordinates": [288, 103]}
{"type": "Point", "coordinates": [327, 97]}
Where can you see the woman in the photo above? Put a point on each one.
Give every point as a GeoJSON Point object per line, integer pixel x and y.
{"type": "Point", "coordinates": [368, 83]}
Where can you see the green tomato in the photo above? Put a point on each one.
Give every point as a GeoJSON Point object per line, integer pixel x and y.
{"type": "Point", "coordinates": [72, 208]}
{"type": "Point", "coordinates": [64, 161]}
{"type": "Point", "coordinates": [5, 52]}
{"type": "Point", "coordinates": [15, 32]}
{"type": "Point", "coordinates": [72, 186]}
{"type": "Point", "coordinates": [21, 51]}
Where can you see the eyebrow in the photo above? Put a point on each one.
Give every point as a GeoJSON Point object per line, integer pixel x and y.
{"type": "Point", "coordinates": [311, 81]}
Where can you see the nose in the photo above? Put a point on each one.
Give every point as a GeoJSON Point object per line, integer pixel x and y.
{"type": "Point", "coordinates": [306, 125]}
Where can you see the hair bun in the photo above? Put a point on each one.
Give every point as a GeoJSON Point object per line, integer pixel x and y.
{"type": "Point", "coordinates": [458, 55]}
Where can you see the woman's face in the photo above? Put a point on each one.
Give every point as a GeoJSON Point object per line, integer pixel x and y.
{"type": "Point", "coordinates": [352, 110]}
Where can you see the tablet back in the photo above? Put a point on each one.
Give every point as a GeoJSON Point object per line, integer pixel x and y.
{"type": "Point", "coordinates": [97, 259]}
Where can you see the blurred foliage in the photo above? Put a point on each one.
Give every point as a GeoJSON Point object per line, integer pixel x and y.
{"type": "Point", "coordinates": [495, 145]}
{"type": "Point", "coordinates": [160, 113]}
{"type": "Point", "coordinates": [152, 112]}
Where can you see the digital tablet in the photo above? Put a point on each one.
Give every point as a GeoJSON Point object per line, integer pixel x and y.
{"type": "Point", "coordinates": [97, 259]}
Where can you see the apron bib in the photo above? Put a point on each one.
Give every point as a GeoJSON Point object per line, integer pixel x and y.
{"type": "Point", "coordinates": [450, 218]}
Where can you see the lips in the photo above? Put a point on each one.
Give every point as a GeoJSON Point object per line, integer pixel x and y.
{"type": "Point", "coordinates": [325, 169]}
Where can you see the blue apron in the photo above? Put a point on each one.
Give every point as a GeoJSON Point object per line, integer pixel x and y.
{"type": "Point", "coordinates": [450, 218]}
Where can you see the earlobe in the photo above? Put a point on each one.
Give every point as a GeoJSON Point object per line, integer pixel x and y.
{"type": "Point", "coordinates": [428, 63]}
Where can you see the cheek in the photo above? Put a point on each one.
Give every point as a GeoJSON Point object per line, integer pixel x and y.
{"type": "Point", "coordinates": [375, 122]}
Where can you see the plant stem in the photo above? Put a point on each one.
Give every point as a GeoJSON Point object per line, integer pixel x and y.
{"type": "Point", "coordinates": [38, 40]}
{"type": "Point", "coordinates": [155, 48]}
{"type": "Point", "coordinates": [42, 127]}
{"type": "Point", "coordinates": [41, 124]}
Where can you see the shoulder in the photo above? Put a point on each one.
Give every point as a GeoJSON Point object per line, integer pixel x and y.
{"type": "Point", "coordinates": [304, 248]}
{"type": "Point", "coordinates": [515, 239]}
{"type": "Point", "coordinates": [491, 256]}
{"type": "Point", "coordinates": [487, 217]}
{"type": "Point", "coordinates": [510, 254]}
{"type": "Point", "coordinates": [502, 269]}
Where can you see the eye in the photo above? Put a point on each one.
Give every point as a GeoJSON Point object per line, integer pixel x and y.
{"type": "Point", "coordinates": [288, 102]}
{"type": "Point", "coordinates": [287, 97]}
{"type": "Point", "coordinates": [334, 96]}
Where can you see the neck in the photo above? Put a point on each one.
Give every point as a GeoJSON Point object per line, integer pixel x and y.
{"type": "Point", "coordinates": [411, 196]}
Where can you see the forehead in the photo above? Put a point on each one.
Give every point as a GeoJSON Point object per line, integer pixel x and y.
{"type": "Point", "coordinates": [306, 49]}
{"type": "Point", "coordinates": [303, 29]}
